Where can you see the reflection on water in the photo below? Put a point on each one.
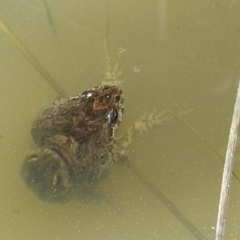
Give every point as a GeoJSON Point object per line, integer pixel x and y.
{"type": "Point", "coordinates": [177, 56]}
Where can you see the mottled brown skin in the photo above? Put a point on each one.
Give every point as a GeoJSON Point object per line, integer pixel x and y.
{"type": "Point", "coordinates": [75, 139]}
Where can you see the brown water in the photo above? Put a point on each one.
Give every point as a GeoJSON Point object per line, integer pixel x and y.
{"type": "Point", "coordinates": [173, 55]}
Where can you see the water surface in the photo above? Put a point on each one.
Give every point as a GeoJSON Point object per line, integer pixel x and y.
{"type": "Point", "coordinates": [181, 57]}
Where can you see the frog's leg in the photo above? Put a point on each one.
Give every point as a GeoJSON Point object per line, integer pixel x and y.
{"type": "Point", "coordinates": [112, 73]}
{"type": "Point", "coordinates": [47, 175]}
{"type": "Point", "coordinates": [148, 121]}
{"type": "Point", "coordinates": [49, 170]}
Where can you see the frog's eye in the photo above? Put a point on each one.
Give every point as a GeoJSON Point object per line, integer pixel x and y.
{"type": "Point", "coordinates": [113, 117]}
{"type": "Point", "coordinates": [87, 94]}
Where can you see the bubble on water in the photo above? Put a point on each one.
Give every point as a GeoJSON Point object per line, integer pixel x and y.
{"type": "Point", "coordinates": [136, 69]}
{"type": "Point", "coordinates": [121, 50]}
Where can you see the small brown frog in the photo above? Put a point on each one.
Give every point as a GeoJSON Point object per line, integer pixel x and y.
{"type": "Point", "coordinates": [76, 143]}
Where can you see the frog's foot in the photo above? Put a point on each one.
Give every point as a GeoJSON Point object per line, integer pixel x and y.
{"type": "Point", "coordinates": [112, 73]}
{"type": "Point", "coordinates": [46, 173]}
{"type": "Point", "coordinates": [148, 121]}
{"type": "Point", "coordinates": [115, 155]}
{"type": "Point", "coordinates": [142, 125]}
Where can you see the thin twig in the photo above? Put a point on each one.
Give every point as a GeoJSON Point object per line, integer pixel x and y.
{"type": "Point", "coordinates": [227, 172]}
{"type": "Point", "coordinates": [33, 60]}
{"type": "Point", "coordinates": [167, 203]}
{"type": "Point", "coordinates": [203, 139]}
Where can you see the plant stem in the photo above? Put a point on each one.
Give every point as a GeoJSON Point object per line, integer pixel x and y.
{"type": "Point", "coordinates": [33, 60]}
{"type": "Point", "coordinates": [227, 172]}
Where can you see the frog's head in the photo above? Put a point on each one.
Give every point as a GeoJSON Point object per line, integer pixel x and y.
{"type": "Point", "coordinates": [106, 104]}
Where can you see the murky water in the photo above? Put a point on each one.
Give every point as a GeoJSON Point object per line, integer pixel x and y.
{"type": "Point", "coordinates": [181, 57]}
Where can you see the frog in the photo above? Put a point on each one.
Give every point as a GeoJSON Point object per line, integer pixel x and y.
{"type": "Point", "coordinates": [76, 143]}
